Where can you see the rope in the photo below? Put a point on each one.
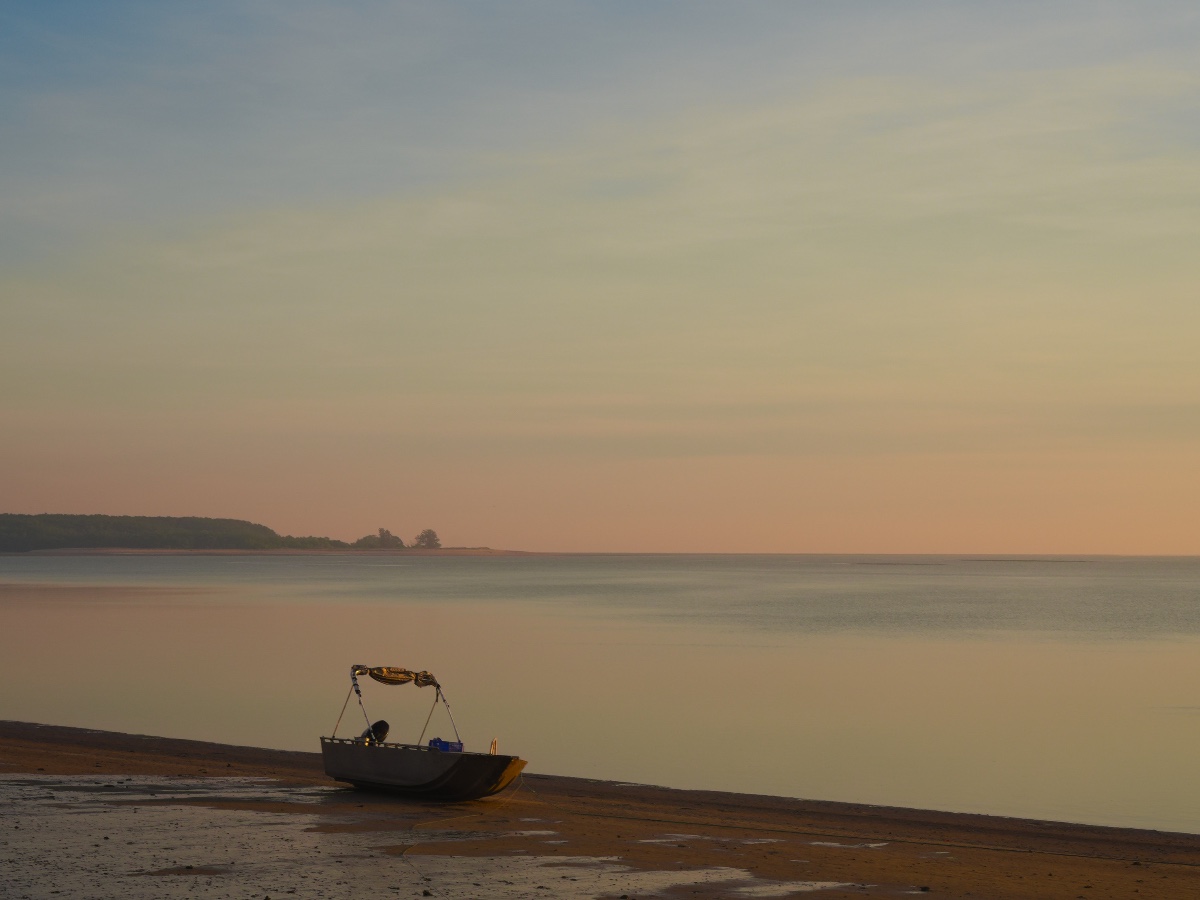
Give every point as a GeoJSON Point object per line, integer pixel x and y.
{"type": "Point", "coordinates": [343, 712]}
{"type": "Point", "coordinates": [446, 703]}
{"type": "Point", "coordinates": [430, 716]}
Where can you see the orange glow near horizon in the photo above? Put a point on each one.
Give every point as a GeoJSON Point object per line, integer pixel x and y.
{"type": "Point", "coordinates": [746, 505]}
{"type": "Point", "coordinates": [918, 302]}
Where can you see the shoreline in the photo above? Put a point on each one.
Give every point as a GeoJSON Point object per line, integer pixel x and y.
{"type": "Point", "coordinates": [140, 551]}
{"type": "Point", "coordinates": [886, 558]}
{"type": "Point", "coordinates": [847, 849]}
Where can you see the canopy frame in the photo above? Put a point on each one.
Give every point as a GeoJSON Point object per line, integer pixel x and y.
{"type": "Point", "coordinates": [394, 675]}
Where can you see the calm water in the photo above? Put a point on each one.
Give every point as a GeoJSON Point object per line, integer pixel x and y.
{"type": "Point", "coordinates": [1053, 688]}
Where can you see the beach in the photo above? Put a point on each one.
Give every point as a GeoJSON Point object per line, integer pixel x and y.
{"type": "Point", "coordinates": [233, 821]}
{"type": "Point", "coordinates": [760, 436]}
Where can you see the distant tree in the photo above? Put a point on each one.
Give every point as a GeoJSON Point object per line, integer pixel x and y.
{"type": "Point", "coordinates": [59, 531]}
{"type": "Point", "coordinates": [56, 531]}
{"type": "Point", "coordinates": [385, 540]}
{"type": "Point", "coordinates": [287, 541]}
{"type": "Point", "coordinates": [427, 540]}
{"type": "Point", "coordinates": [389, 541]}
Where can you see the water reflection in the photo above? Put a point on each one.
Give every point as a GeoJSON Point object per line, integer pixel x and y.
{"type": "Point", "coordinates": [674, 690]}
{"type": "Point", "coordinates": [1108, 597]}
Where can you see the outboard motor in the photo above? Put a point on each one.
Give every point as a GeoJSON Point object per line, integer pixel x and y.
{"type": "Point", "coordinates": [376, 734]}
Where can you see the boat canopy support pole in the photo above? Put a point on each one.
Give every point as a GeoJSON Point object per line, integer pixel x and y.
{"type": "Point", "coordinates": [343, 712]}
{"type": "Point", "coordinates": [436, 696]}
{"type": "Point", "coordinates": [354, 687]}
{"type": "Point", "coordinates": [446, 703]}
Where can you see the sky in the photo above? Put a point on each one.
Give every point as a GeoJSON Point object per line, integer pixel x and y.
{"type": "Point", "coordinates": [608, 276]}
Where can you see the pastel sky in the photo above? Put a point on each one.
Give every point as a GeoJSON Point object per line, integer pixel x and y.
{"type": "Point", "coordinates": [780, 277]}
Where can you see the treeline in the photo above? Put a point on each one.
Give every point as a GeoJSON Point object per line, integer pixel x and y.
{"type": "Point", "coordinates": [385, 540]}
{"type": "Point", "coordinates": [49, 531]}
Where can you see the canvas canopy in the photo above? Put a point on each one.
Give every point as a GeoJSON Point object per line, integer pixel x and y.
{"type": "Point", "coordinates": [396, 675]}
{"type": "Point", "coordinates": [393, 675]}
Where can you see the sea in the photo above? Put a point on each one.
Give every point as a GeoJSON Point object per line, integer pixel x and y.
{"type": "Point", "coordinates": [1059, 688]}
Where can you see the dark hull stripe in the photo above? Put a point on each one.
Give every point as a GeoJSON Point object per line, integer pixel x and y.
{"type": "Point", "coordinates": [470, 778]}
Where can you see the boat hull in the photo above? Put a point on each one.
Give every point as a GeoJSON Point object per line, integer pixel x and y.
{"type": "Point", "coordinates": [420, 772]}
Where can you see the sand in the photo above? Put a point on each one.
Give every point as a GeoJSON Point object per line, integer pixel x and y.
{"type": "Point", "coordinates": [100, 814]}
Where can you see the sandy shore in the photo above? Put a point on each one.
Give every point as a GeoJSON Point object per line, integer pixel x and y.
{"type": "Point", "coordinates": [125, 815]}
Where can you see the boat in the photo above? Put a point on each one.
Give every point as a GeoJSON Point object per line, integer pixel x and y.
{"type": "Point", "coordinates": [437, 770]}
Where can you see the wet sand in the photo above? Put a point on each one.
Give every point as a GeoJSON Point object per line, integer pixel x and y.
{"type": "Point", "coordinates": [88, 813]}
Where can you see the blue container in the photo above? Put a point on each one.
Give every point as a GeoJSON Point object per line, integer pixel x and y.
{"type": "Point", "coordinates": [446, 746]}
